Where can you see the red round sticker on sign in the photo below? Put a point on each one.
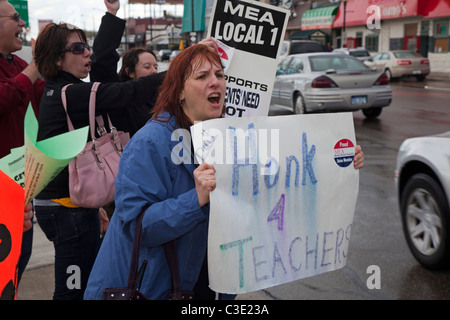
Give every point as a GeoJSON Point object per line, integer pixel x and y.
{"type": "Point", "coordinates": [344, 152]}
{"type": "Point", "coordinates": [222, 53]}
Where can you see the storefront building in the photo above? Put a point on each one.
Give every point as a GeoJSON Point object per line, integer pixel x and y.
{"type": "Point", "coordinates": [435, 29]}
{"type": "Point", "coordinates": [421, 25]}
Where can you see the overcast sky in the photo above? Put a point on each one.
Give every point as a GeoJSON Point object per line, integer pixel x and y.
{"type": "Point", "coordinates": [86, 14]}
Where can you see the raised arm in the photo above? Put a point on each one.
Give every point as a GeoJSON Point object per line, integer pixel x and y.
{"type": "Point", "coordinates": [105, 57]}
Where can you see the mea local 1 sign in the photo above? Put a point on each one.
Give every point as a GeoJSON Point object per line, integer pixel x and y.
{"type": "Point", "coordinates": [253, 31]}
{"type": "Point", "coordinates": [248, 27]}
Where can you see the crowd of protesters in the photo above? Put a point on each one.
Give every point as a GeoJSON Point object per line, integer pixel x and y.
{"type": "Point", "coordinates": [147, 104]}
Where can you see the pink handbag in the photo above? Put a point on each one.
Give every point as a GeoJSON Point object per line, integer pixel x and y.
{"type": "Point", "coordinates": [93, 171]}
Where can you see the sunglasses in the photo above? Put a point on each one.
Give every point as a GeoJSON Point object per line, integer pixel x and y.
{"type": "Point", "coordinates": [15, 17]}
{"type": "Point", "coordinates": [77, 48]}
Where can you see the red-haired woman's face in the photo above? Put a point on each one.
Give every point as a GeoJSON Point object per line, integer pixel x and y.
{"type": "Point", "coordinates": [203, 95]}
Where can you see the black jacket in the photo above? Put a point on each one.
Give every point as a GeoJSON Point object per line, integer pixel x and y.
{"type": "Point", "coordinates": [113, 98]}
{"type": "Point", "coordinates": [110, 97]}
{"type": "Point", "coordinates": [104, 69]}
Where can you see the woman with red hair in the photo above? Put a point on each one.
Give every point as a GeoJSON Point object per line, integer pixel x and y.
{"type": "Point", "coordinates": [177, 191]}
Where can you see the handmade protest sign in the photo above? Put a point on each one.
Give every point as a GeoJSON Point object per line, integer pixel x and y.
{"type": "Point", "coordinates": [23, 174]}
{"type": "Point", "coordinates": [285, 197]}
{"type": "Point", "coordinates": [45, 159]}
{"type": "Point", "coordinates": [254, 31]}
{"type": "Point", "coordinates": [36, 163]}
{"type": "Point", "coordinates": [11, 225]}
{"type": "Point", "coordinates": [13, 165]}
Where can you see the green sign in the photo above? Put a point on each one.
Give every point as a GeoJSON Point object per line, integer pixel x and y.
{"type": "Point", "coordinates": [194, 16]}
{"type": "Point", "coordinates": [21, 7]}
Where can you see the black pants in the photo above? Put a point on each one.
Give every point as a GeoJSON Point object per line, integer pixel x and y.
{"type": "Point", "coordinates": [201, 289]}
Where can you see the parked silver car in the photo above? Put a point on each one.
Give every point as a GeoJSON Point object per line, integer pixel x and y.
{"type": "Point", "coordinates": [400, 63]}
{"type": "Point", "coordinates": [359, 53]}
{"type": "Point", "coordinates": [422, 182]}
{"type": "Point", "coordinates": [314, 82]}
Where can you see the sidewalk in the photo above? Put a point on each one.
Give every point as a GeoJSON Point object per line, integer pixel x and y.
{"type": "Point", "coordinates": [439, 76]}
{"type": "Point", "coordinates": [436, 81]}
{"type": "Point", "coordinates": [38, 279]}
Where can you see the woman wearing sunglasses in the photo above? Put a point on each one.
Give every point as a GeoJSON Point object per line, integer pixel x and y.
{"type": "Point", "coordinates": [64, 57]}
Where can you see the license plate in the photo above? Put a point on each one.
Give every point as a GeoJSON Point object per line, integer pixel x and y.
{"type": "Point", "coordinates": [359, 100]}
{"type": "Point", "coordinates": [417, 72]}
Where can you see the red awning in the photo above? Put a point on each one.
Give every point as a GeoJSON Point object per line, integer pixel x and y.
{"type": "Point", "coordinates": [435, 8]}
{"type": "Point", "coordinates": [356, 13]}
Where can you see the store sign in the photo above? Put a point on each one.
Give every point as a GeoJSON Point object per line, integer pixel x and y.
{"type": "Point", "coordinates": [366, 12]}
{"type": "Point", "coordinates": [396, 9]}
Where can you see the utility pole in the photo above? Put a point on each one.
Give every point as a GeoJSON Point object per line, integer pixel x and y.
{"type": "Point", "coordinates": [151, 21]}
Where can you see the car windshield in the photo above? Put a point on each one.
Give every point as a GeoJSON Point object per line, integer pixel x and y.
{"type": "Point", "coordinates": [322, 63]}
{"type": "Point", "coordinates": [360, 53]}
{"type": "Point", "coordinates": [405, 54]}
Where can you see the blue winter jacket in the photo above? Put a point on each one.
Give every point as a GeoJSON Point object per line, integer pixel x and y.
{"type": "Point", "coordinates": [147, 174]}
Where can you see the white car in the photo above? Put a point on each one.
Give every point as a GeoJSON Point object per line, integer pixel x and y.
{"type": "Point", "coordinates": [399, 63]}
{"type": "Point", "coordinates": [422, 182]}
{"type": "Point", "coordinates": [359, 53]}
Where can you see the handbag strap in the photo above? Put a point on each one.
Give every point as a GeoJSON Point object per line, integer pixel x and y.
{"type": "Point", "coordinates": [133, 275]}
{"type": "Point", "coordinates": [172, 259]}
{"type": "Point", "coordinates": [171, 256]}
{"type": "Point", "coordinates": [64, 102]}
{"type": "Point", "coordinates": [101, 123]}
{"type": "Point", "coordinates": [92, 117]}
{"type": "Point", "coordinates": [92, 102]}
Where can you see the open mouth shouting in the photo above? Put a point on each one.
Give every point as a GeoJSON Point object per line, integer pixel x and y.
{"type": "Point", "coordinates": [214, 99]}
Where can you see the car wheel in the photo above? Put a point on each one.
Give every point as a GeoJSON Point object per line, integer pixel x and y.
{"type": "Point", "coordinates": [372, 113]}
{"type": "Point", "coordinates": [299, 104]}
{"type": "Point", "coordinates": [389, 74]}
{"type": "Point", "coordinates": [425, 210]}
